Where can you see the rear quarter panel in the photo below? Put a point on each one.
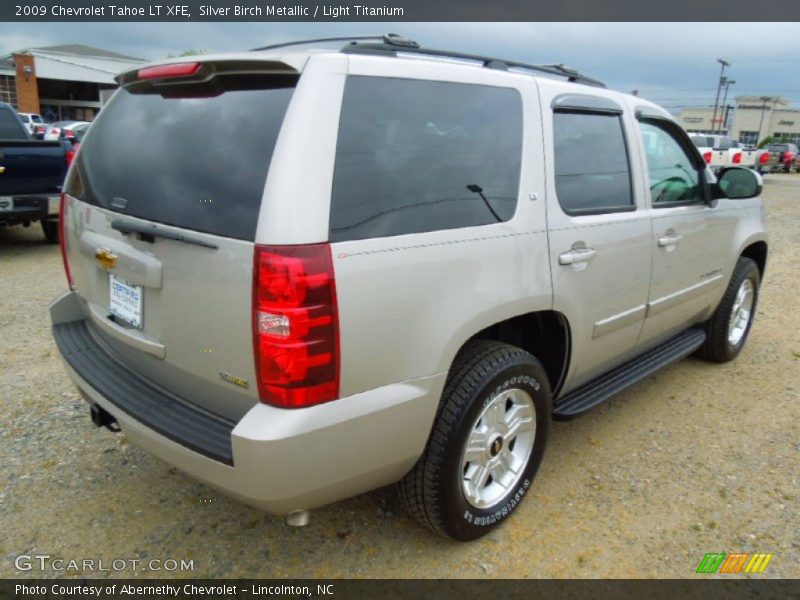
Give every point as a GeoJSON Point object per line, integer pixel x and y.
{"type": "Point", "coordinates": [408, 303]}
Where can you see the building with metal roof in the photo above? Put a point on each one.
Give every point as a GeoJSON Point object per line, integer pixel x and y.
{"type": "Point", "coordinates": [61, 82]}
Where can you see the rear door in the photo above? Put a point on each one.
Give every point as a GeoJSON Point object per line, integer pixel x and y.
{"type": "Point", "coordinates": [599, 232]}
{"type": "Point", "coordinates": [163, 203]}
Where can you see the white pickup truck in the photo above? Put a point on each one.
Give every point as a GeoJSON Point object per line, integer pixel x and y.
{"type": "Point", "coordinates": [721, 151]}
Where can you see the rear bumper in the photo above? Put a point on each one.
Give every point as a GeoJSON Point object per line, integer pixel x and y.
{"type": "Point", "coordinates": [278, 460]}
{"type": "Point", "coordinates": [34, 207]}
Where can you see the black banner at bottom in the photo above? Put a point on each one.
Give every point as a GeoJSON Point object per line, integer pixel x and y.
{"type": "Point", "coordinates": [578, 589]}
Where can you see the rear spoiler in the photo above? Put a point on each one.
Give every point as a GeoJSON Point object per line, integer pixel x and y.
{"type": "Point", "coordinates": [187, 74]}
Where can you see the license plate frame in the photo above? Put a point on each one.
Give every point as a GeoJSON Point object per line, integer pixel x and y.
{"type": "Point", "coordinates": [125, 301]}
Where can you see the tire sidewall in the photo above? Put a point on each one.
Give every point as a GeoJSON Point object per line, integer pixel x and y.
{"type": "Point", "coordinates": [463, 520]}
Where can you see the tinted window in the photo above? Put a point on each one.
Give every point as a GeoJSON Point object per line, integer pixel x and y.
{"type": "Point", "coordinates": [702, 141]}
{"type": "Point", "coordinates": [673, 175]}
{"type": "Point", "coordinates": [416, 156]}
{"type": "Point", "coordinates": [197, 163]}
{"type": "Point", "coordinates": [591, 163]}
{"type": "Point", "coordinates": [10, 126]}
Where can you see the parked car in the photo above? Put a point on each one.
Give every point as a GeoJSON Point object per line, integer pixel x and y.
{"type": "Point", "coordinates": [74, 136]}
{"type": "Point", "coordinates": [721, 151]}
{"type": "Point", "coordinates": [398, 269]}
{"type": "Point", "coordinates": [783, 155]}
{"type": "Point", "coordinates": [57, 130]}
{"type": "Point", "coordinates": [31, 174]}
{"type": "Point", "coordinates": [31, 121]}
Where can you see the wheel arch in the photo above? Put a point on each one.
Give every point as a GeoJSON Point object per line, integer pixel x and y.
{"type": "Point", "coordinates": [544, 333]}
{"type": "Point", "coordinates": [757, 251]}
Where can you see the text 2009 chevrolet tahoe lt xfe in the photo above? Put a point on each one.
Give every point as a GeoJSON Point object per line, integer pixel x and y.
{"type": "Point", "coordinates": [387, 267]}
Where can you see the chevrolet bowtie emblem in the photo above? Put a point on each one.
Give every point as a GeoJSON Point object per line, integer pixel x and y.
{"type": "Point", "coordinates": [106, 258]}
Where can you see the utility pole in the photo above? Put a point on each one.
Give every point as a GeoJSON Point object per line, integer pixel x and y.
{"type": "Point", "coordinates": [764, 99]}
{"type": "Point", "coordinates": [724, 64]}
{"type": "Point", "coordinates": [724, 120]}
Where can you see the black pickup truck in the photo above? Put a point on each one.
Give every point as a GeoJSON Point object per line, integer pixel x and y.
{"type": "Point", "coordinates": [31, 174]}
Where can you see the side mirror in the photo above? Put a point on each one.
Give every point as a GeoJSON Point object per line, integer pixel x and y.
{"type": "Point", "coordinates": [738, 183]}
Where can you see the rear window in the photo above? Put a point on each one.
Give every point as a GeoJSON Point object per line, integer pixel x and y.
{"type": "Point", "coordinates": [416, 156]}
{"type": "Point", "coordinates": [702, 141]}
{"type": "Point", "coordinates": [196, 163]}
{"type": "Point", "coordinates": [10, 126]}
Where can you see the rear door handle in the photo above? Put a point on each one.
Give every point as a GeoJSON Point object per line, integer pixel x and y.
{"type": "Point", "coordinates": [669, 240]}
{"type": "Point", "coordinates": [577, 255]}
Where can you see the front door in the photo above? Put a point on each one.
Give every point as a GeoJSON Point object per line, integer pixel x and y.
{"type": "Point", "coordinates": [691, 239]}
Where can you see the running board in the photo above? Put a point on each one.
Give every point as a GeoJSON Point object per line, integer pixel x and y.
{"type": "Point", "coordinates": [602, 388]}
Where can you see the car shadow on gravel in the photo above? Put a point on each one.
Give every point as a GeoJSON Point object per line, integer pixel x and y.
{"type": "Point", "coordinates": [17, 239]}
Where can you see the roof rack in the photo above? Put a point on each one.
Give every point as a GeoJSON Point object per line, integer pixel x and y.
{"type": "Point", "coordinates": [388, 39]}
{"type": "Point", "coordinates": [389, 46]}
{"type": "Point", "coordinates": [392, 44]}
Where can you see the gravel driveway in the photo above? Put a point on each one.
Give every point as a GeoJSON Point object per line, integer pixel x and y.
{"type": "Point", "coordinates": [699, 458]}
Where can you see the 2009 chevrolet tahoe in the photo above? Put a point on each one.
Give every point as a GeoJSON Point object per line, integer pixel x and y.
{"type": "Point", "coordinates": [335, 270]}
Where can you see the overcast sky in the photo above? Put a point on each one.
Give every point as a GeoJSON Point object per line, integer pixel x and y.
{"type": "Point", "coordinates": [673, 64]}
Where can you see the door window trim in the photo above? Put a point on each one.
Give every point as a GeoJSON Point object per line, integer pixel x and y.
{"type": "Point", "coordinates": [683, 140]}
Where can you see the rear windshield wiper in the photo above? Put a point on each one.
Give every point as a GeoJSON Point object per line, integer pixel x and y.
{"type": "Point", "coordinates": [153, 231]}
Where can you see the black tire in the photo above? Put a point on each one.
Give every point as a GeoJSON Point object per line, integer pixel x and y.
{"type": "Point", "coordinates": [718, 347]}
{"type": "Point", "coordinates": [432, 492]}
{"type": "Point", "coordinates": [50, 230]}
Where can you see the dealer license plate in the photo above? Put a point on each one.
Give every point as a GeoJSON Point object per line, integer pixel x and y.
{"type": "Point", "coordinates": [125, 301]}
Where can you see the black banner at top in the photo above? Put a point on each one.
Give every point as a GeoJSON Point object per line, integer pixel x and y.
{"type": "Point", "coordinates": [399, 10]}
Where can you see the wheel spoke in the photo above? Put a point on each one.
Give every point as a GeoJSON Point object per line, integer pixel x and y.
{"type": "Point", "coordinates": [494, 413]}
{"type": "Point", "coordinates": [476, 448]}
{"type": "Point", "coordinates": [506, 463]}
{"type": "Point", "coordinates": [479, 478]}
{"type": "Point", "coordinates": [518, 419]}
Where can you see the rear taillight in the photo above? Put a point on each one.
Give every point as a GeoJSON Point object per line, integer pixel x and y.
{"type": "Point", "coordinates": [62, 238]}
{"type": "Point", "coordinates": [737, 158]}
{"type": "Point", "coordinates": [764, 158]}
{"type": "Point", "coordinates": [707, 157]}
{"type": "Point", "coordinates": [69, 156]}
{"type": "Point", "coordinates": [168, 71]}
{"type": "Point", "coordinates": [295, 325]}
{"type": "Point", "coordinates": [787, 157]}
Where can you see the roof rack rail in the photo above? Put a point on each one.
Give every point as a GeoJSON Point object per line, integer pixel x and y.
{"type": "Point", "coordinates": [389, 39]}
{"type": "Point", "coordinates": [393, 44]}
{"type": "Point", "coordinates": [389, 47]}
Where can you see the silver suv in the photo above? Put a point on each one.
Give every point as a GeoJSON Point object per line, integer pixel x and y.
{"type": "Point", "coordinates": [302, 275]}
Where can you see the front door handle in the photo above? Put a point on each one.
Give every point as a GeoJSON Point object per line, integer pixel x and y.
{"type": "Point", "coordinates": [669, 240]}
{"type": "Point", "coordinates": [577, 255]}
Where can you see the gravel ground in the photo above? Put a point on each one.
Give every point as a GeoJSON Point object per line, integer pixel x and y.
{"type": "Point", "coordinates": [699, 458]}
